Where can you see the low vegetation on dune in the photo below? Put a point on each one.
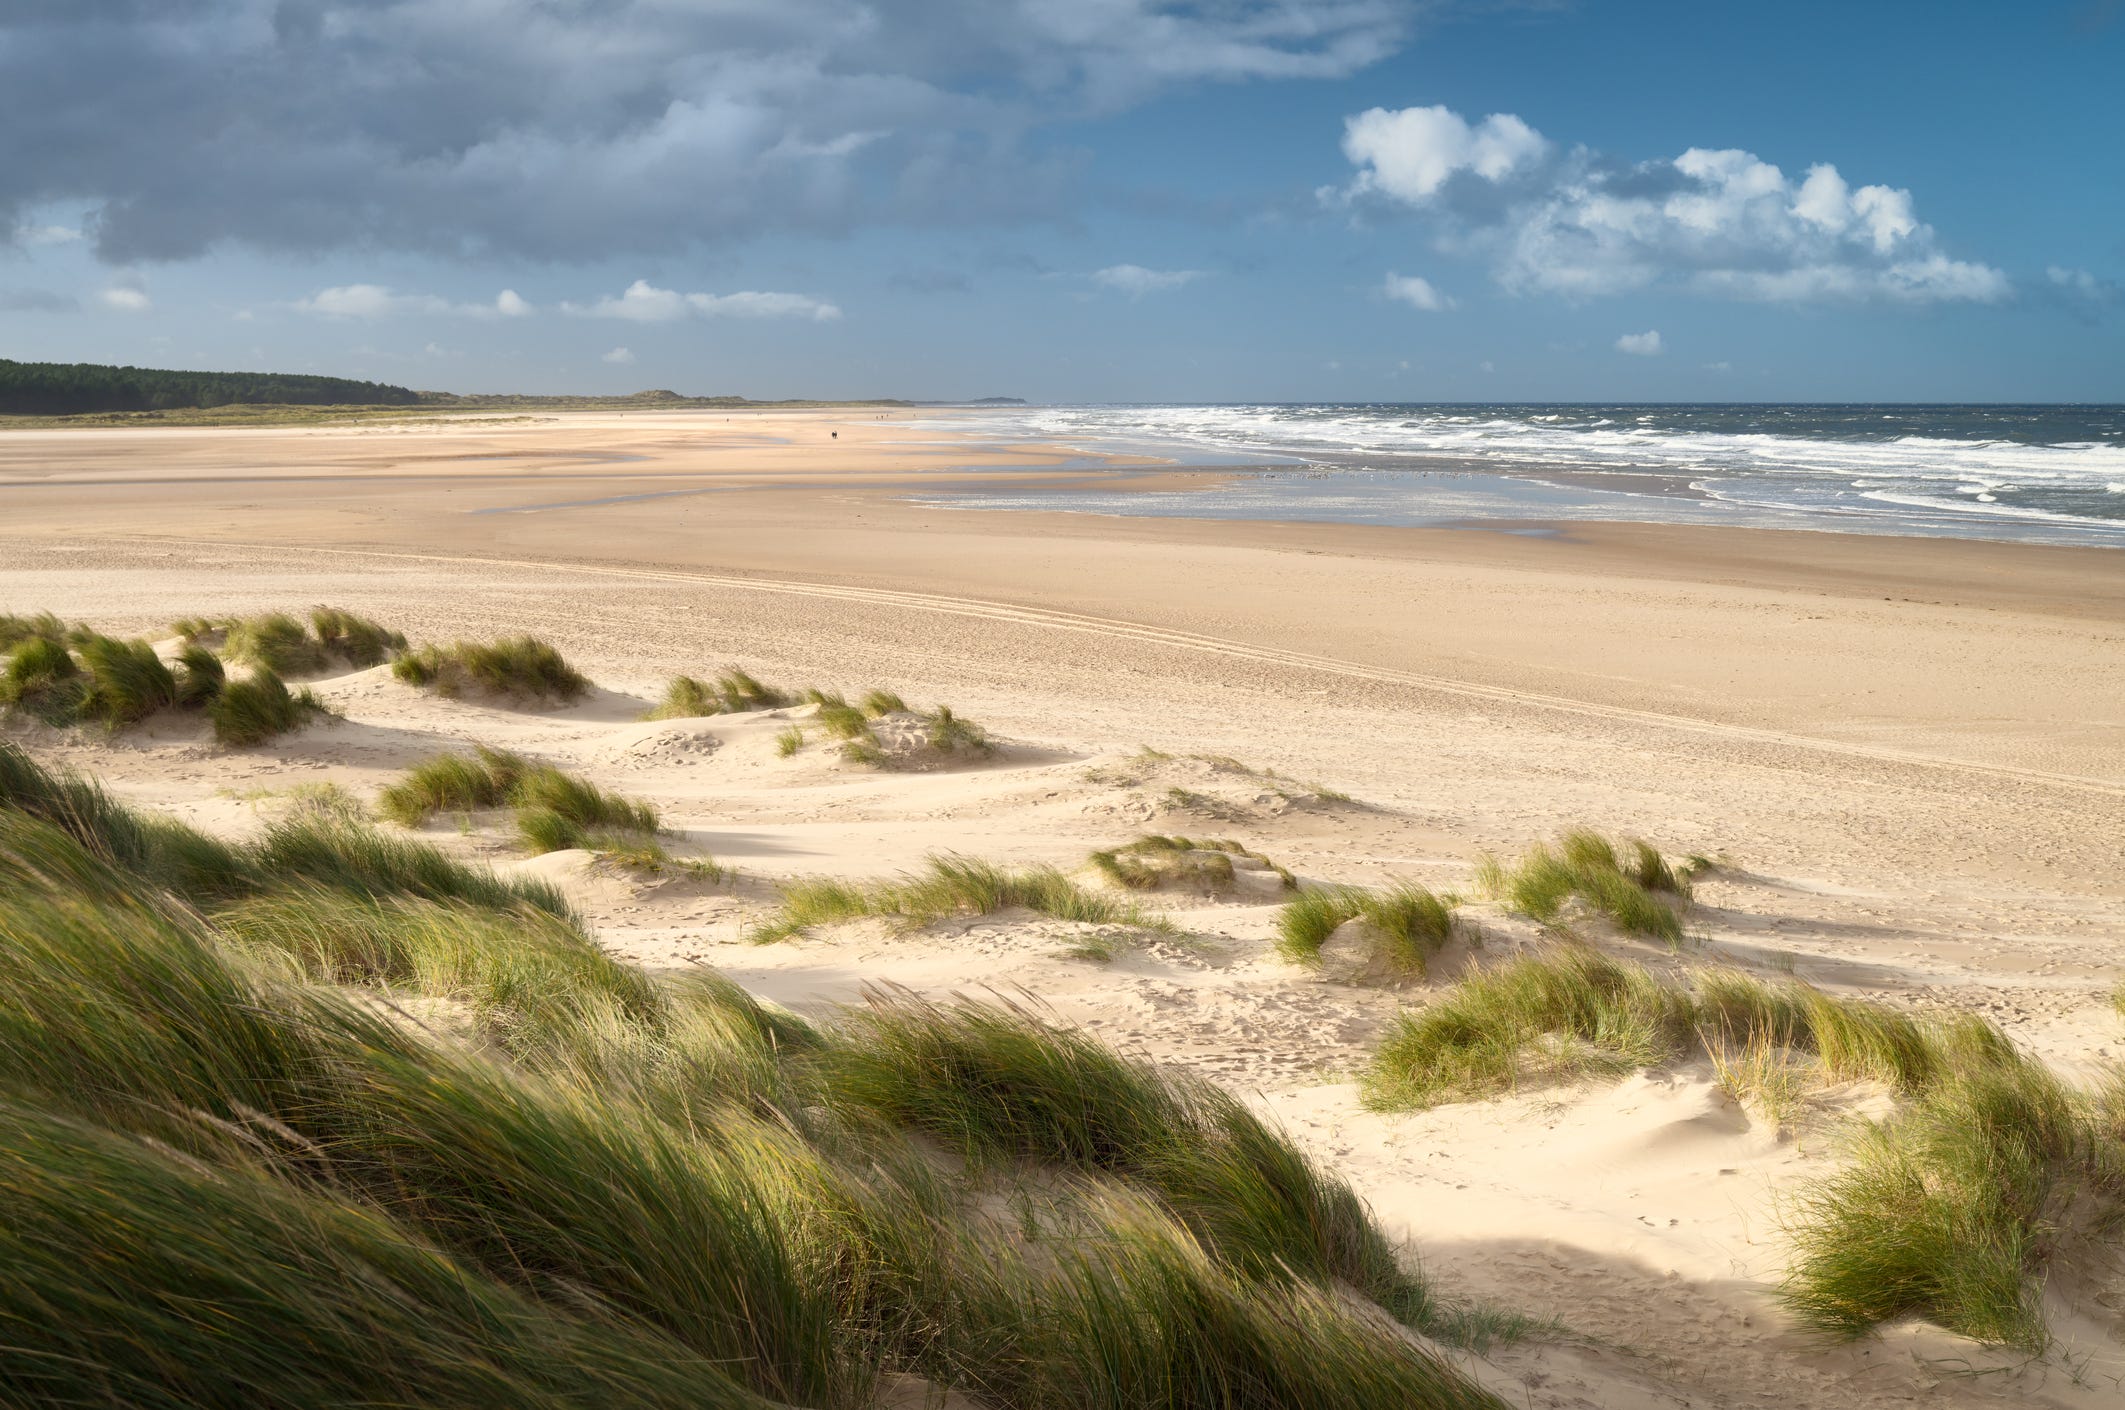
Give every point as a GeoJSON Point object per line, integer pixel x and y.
{"type": "Point", "coordinates": [1405, 925]}
{"type": "Point", "coordinates": [882, 732]}
{"type": "Point", "coordinates": [733, 692]}
{"type": "Point", "coordinates": [947, 888]}
{"type": "Point", "coordinates": [16, 629]}
{"type": "Point", "coordinates": [74, 676]}
{"type": "Point", "coordinates": [258, 708]}
{"type": "Point", "coordinates": [1950, 1208]}
{"type": "Point", "coordinates": [319, 846]}
{"type": "Point", "coordinates": [517, 668]}
{"type": "Point", "coordinates": [554, 811]}
{"type": "Point", "coordinates": [1636, 890]}
{"type": "Point", "coordinates": [1576, 1012]}
{"type": "Point", "coordinates": [230, 1181]}
{"type": "Point", "coordinates": [1208, 865]}
{"type": "Point", "coordinates": [879, 730]}
{"type": "Point", "coordinates": [287, 646]}
{"type": "Point", "coordinates": [1953, 1208]}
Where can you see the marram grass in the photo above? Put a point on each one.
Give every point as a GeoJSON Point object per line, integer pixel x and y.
{"type": "Point", "coordinates": [517, 668]}
{"type": "Point", "coordinates": [655, 1201]}
{"type": "Point", "coordinates": [731, 693]}
{"type": "Point", "coordinates": [947, 887]}
{"type": "Point", "coordinates": [1639, 894]}
{"type": "Point", "coordinates": [1406, 924]}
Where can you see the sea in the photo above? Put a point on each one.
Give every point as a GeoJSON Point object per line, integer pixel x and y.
{"type": "Point", "coordinates": [2045, 473]}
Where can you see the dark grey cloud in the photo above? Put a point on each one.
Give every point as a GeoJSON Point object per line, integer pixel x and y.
{"type": "Point", "coordinates": [568, 129]}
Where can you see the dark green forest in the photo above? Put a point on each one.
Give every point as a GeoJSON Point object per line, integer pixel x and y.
{"type": "Point", "coordinates": [74, 388]}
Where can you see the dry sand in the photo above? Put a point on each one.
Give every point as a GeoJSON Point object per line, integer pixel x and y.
{"type": "Point", "coordinates": [1911, 752]}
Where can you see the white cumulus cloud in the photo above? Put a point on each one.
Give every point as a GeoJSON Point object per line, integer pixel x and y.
{"type": "Point", "coordinates": [1415, 291]}
{"type": "Point", "coordinates": [1136, 281]}
{"type": "Point", "coordinates": [126, 296]}
{"type": "Point", "coordinates": [1409, 154]}
{"type": "Point", "coordinates": [644, 302]}
{"type": "Point", "coordinates": [619, 357]}
{"type": "Point", "coordinates": [373, 301]}
{"type": "Point", "coordinates": [1646, 344]}
{"type": "Point", "coordinates": [1718, 222]}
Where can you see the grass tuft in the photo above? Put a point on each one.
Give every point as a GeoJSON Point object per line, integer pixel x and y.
{"type": "Point", "coordinates": [731, 693]}
{"type": "Point", "coordinates": [14, 630]}
{"type": "Point", "coordinates": [1586, 867]}
{"type": "Point", "coordinates": [355, 639]}
{"type": "Point", "coordinates": [883, 702]}
{"type": "Point", "coordinates": [129, 682]}
{"type": "Point", "coordinates": [1578, 1013]}
{"type": "Point", "coordinates": [349, 856]}
{"type": "Point", "coordinates": [200, 676]}
{"type": "Point", "coordinates": [1949, 1209]}
{"type": "Point", "coordinates": [554, 810]}
{"type": "Point", "coordinates": [1406, 924]}
{"type": "Point", "coordinates": [517, 668]}
{"type": "Point", "coordinates": [251, 711]}
{"type": "Point", "coordinates": [276, 642]}
{"type": "Point", "coordinates": [451, 783]}
{"type": "Point", "coordinates": [949, 887]}
{"type": "Point", "coordinates": [789, 741]}
{"type": "Point", "coordinates": [43, 681]}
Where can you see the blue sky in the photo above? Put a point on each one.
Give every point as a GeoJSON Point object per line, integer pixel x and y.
{"type": "Point", "coordinates": [1136, 200]}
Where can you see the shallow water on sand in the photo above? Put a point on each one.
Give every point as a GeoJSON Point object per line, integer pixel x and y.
{"type": "Point", "coordinates": [2034, 473]}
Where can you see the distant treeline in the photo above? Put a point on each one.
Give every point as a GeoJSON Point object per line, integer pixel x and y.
{"type": "Point", "coordinates": [74, 388]}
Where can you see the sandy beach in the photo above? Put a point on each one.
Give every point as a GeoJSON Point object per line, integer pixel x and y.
{"type": "Point", "coordinates": [1906, 756]}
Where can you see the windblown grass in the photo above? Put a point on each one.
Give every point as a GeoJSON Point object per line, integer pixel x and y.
{"type": "Point", "coordinates": [354, 639]}
{"type": "Point", "coordinates": [358, 859]}
{"type": "Point", "coordinates": [520, 972]}
{"type": "Point", "coordinates": [200, 676]}
{"type": "Point", "coordinates": [14, 629]}
{"type": "Point", "coordinates": [283, 644]}
{"type": "Point", "coordinates": [1950, 1209]}
{"type": "Point", "coordinates": [554, 810]}
{"type": "Point", "coordinates": [43, 680]}
{"type": "Point", "coordinates": [119, 683]}
{"type": "Point", "coordinates": [276, 642]}
{"type": "Point", "coordinates": [451, 783]}
{"type": "Point", "coordinates": [227, 1286]}
{"type": "Point", "coordinates": [788, 741]}
{"type": "Point", "coordinates": [1406, 924]}
{"type": "Point", "coordinates": [731, 693]}
{"type": "Point", "coordinates": [1578, 1013]}
{"type": "Point", "coordinates": [113, 684]}
{"type": "Point", "coordinates": [258, 708]}
{"type": "Point", "coordinates": [520, 668]}
{"type": "Point", "coordinates": [1586, 867]}
{"type": "Point", "coordinates": [995, 1084]}
{"type": "Point", "coordinates": [1203, 864]}
{"type": "Point", "coordinates": [948, 887]}
{"type": "Point", "coordinates": [128, 682]}
{"type": "Point", "coordinates": [657, 1195]}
